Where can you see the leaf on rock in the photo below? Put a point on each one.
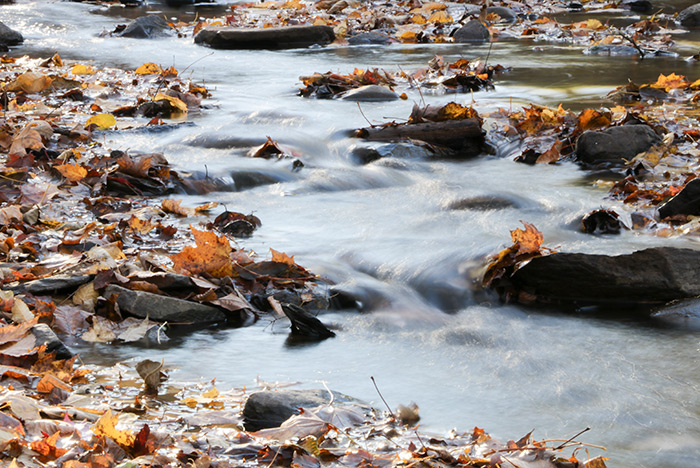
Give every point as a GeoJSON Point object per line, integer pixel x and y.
{"type": "Point", "coordinates": [269, 149]}
{"type": "Point", "coordinates": [47, 447]}
{"type": "Point", "coordinates": [48, 382]}
{"type": "Point", "coordinates": [527, 244]}
{"type": "Point", "coordinates": [528, 240]}
{"type": "Point", "coordinates": [591, 119]}
{"type": "Point", "coordinates": [281, 257]}
{"type": "Point", "coordinates": [175, 103]}
{"type": "Point", "coordinates": [669, 82]}
{"type": "Point", "coordinates": [149, 68]}
{"type": "Point", "coordinates": [72, 172]}
{"type": "Point", "coordinates": [102, 121]}
{"type": "Point", "coordinates": [211, 255]}
{"type": "Point", "coordinates": [454, 111]}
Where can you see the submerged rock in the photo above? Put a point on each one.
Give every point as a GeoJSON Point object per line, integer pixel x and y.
{"type": "Point", "coordinates": [269, 409]}
{"type": "Point", "coordinates": [370, 93]}
{"type": "Point", "coordinates": [146, 27]}
{"type": "Point", "coordinates": [370, 38]}
{"type": "Point", "coordinates": [613, 49]}
{"type": "Point", "coordinates": [615, 145]}
{"type": "Point", "coordinates": [473, 31]}
{"type": "Point", "coordinates": [690, 17]}
{"type": "Point", "coordinates": [684, 313]}
{"type": "Point", "coordinates": [506, 14]}
{"type": "Point", "coordinates": [686, 202]}
{"type": "Point", "coordinates": [163, 308]}
{"type": "Point", "coordinates": [265, 38]}
{"type": "Point", "coordinates": [9, 36]}
{"type": "Point", "coordinates": [659, 274]}
{"type": "Point", "coordinates": [482, 203]}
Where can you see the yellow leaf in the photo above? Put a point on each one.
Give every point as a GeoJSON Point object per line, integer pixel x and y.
{"type": "Point", "coordinates": [105, 427]}
{"type": "Point", "coordinates": [149, 68]}
{"type": "Point", "coordinates": [190, 402]}
{"type": "Point", "coordinates": [213, 393]}
{"type": "Point", "coordinates": [594, 24]}
{"type": "Point", "coordinates": [440, 17]}
{"type": "Point", "coordinates": [434, 6]}
{"type": "Point", "coordinates": [418, 19]}
{"type": "Point", "coordinates": [102, 121]}
{"type": "Point", "coordinates": [82, 70]}
{"type": "Point", "coordinates": [408, 36]}
{"type": "Point", "coordinates": [175, 102]}
{"type": "Point", "coordinates": [72, 172]}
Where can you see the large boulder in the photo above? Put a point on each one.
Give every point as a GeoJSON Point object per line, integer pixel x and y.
{"type": "Point", "coordinates": [9, 36]}
{"type": "Point", "coordinates": [690, 17]}
{"type": "Point", "coordinates": [686, 202]}
{"type": "Point", "coordinates": [473, 31]}
{"type": "Point", "coordinates": [146, 27]}
{"type": "Point", "coordinates": [268, 409]}
{"type": "Point", "coordinates": [615, 145]}
{"type": "Point", "coordinates": [288, 37]}
{"type": "Point", "coordinates": [659, 274]}
{"type": "Point", "coordinates": [163, 308]}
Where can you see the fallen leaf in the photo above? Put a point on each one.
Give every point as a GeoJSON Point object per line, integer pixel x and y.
{"type": "Point", "coordinates": [82, 70]}
{"type": "Point", "coordinates": [149, 68]}
{"type": "Point", "coordinates": [30, 82]}
{"type": "Point", "coordinates": [281, 257]}
{"type": "Point", "coordinates": [47, 447]}
{"type": "Point", "coordinates": [10, 333]}
{"type": "Point", "coordinates": [106, 427]}
{"type": "Point", "coordinates": [150, 372]}
{"type": "Point", "coordinates": [72, 172]}
{"type": "Point", "coordinates": [48, 382]}
{"type": "Point", "coordinates": [176, 103]}
{"type": "Point", "coordinates": [102, 121]}
{"type": "Point", "coordinates": [211, 255]}
{"type": "Point", "coordinates": [21, 312]}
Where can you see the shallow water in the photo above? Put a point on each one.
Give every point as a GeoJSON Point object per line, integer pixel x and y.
{"type": "Point", "coordinates": [383, 232]}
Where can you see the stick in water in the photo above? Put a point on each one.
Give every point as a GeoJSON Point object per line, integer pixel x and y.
{"type": "Point", "coordinates": [382, 397]}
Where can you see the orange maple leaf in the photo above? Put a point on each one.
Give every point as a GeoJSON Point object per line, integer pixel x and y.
{"type": "Point", "coordinates": [669, 82]}
{"type": "Point", "coordinates": [528, 240]}
{"type": "Point", "coordinates": [212, 255]}
{"type": "Point", "coordinates": [282, 257]}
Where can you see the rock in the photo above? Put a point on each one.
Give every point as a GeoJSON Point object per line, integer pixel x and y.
{"type": "Point", "coordinates": [265, 38]}
{"type": "Point", "coordinates": [45, 336]}
{"type": "Point", "coordinates": [615, 145]}
{"type": "Point", "coordinates": [370, 93]}
{"type": "Point", "coordinates": [686, 202]}
{"type": "Point", "coordinates": [473, 31]}
{"type": "Point", "coordinates": [601, 222]}
{"type": "Point", "coordinates": [9, 36]}
{"type": "Point", "coordinates": [146, 27]}
{"type": "Point", "coordinates": [639, 6]}
{"type": "Point", "coordinates": [483, 203]}
{"type": "Point", "coordinates": [48, 286]}
{"type": "Point", "coordinates": [507, 15]}
{"type": "Point", "coordinates": [162, 308]}
{"type": "Point", "coordinates": [659, 274]}
{"type": "Point", "coordinates": [370, 38]}
{"type": "Point", "coordinates": [269, 409]}
{"type": "Point", "coordinates": [363, 155]}
{"type": "Point", "coordinates": [305, 325]}
{"type": "Point", "coordinates": [613, 50]}
{"type": "Point", "coordinates": [684, 314]}
{"type": "Point", "coordinates": [690, 17]}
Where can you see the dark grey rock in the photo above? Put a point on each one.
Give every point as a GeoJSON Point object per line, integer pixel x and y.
{"type": "Point", "coordinates": [268, 409]}
{"type": "Point", "coordinates": [51, 285]}
{"type": "Point", "coordinates": [615, 145]}
{"type": "Point", "coordinates": [473, 31]}
{"type": "Point", "coordinates": [265, 38]}
{"type": "Point", "coordinates": [370, 38]}
{"type": "Point", "coordinates": [146, 27]}
{"type": "Point", "coordinates": [507, 15]}
{"type": "Point", "coordinates": [684, 314]}
{"type": "Point", "coordinates": [639, 6]}
{"type": "Point", "coordinates": [9, 36]}
{"type": "Point", "coordinates": [370, 93]}
{"type": "Point", "coordinates": [45, 336]}
{"type": "Point", "coordinates": [658, 274]}
{"type": "Point", "coordinates": [483, 203]}
{"type": "Point", "coordinates": [686, 202]}
{"type": "Point", "coordinates": [363, 155]}
{"type": "Point", "coordinates": [690, 17]}
{"type": "Point", "coordinates": [163, 308]}
{"type": "Point", "coordinates": [613, 49]}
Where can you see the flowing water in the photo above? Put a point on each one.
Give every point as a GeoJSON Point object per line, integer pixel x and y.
{"type": "Point", "coordinates": [383, 232]}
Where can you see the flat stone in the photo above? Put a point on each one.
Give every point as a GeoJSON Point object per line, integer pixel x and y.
{"type": "Point", "coordinates": [51, 285]}
{"type": "Point", "coordinates": [163, 308]}
{"type": "Point", "coordinates": [9, 36]}
{"type": "Point", "coordinates": [482, 203]}
{"type": "Point", "coordinates": [146, 27]}
{"type": "Point", "coordinates": [659, 274]}
{"type": "Point", "coordinates": [370, 38]}
{"type": "Point", "coordinates": [615, 145]}
{"type": "Point", "coordinates": [613, 50]}
{"type": "Point", "coordinates": [265, 38]}
{"type": "Point", "coordinates": [473, 31]}
{"type": "Point", "coordinates": [640, 6]}
{"type": "Point", "coordinates": [690, 17]}
{"type": "Point", "coordinates": [269, 409]}
{"type": "Point", "coordinates": [506, 14]}
{"type": "Point", "coordinates": [686, 202]}
{"type": "Point", "coordinates": [370, 93]}
{"type": "Point", "coordinates": [44, 335]}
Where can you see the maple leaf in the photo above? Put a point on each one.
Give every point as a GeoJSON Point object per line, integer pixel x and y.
{"type": "Point", "coordinates": [149, 68]}
{"type": "Point", "coordinates": [72, 172]}
{"type": "Point", "coordinates": [590, 119]}
{"type": "Point", "coordinates": [30, 82]}
{"type": "Point", "coordinates": [47, 447]}
{"type": "Point", "coordinates": [281, 257]}
{"type": "Point", "coordinates": [106, 427]}
{"type": "Point", "coordinates": [211, 255]}
{"type": "Point", "coordinates": [672, 81]}
{"type": "Point", "coordinates": [528, 240]}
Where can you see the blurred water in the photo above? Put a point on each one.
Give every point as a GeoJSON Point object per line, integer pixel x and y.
{"type": "Point", "coordinates": [383, 231]}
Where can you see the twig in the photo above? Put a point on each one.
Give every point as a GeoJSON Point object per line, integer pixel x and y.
{"type": "Point", "coordinates": [563, 444]}
{"type": "Point", "coordinates": [488, 54]}
{"type": "Point", "coordinates": [382, 397]}
{"type": "Point", "coordinates": [363, 115]}
{"type": "Point", "coordinates": [632, 41]}
{"type": "Point", "coordinates": [200, 58]}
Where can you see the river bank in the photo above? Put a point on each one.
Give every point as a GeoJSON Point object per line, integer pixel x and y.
{"type": "Point", "coordinates": [369, 302]}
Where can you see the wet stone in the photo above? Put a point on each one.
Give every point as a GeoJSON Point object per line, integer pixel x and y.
{"type": "Point", "coordinates": [146, 27]}
{"type": "Point", "coordinates": [506, 14]}
{"type": "Point", "coordinates": [268, 38]}
{"type": "Point", "coordinates": [615, 145]}
{"type": "Point", "coordinates": [370, 93]}
{"type": "Point", "coordinates": [473, 31]}
{"type": "Point", "coordinates": [613, 49]}
{"type": "Point", "coordinates": [51, 285]}
{"type": "Point", "coordinates": [9, 36]}
{"type": "Point", "coordinates": [690, 17]}
{"type": "Point", "coordinates": [483, 203]}
{"type": "Point", "coordinates": [163, 308]}
{"type": "Point", "coordinates": [370, 38]}
{"type": "Point", "coordinates": [686, 202]}
{"type": "Point", "coordinates": [44, 335]}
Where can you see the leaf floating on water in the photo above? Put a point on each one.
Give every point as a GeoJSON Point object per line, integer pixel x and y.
{"type": "Point", "coordinates": [30, 82]}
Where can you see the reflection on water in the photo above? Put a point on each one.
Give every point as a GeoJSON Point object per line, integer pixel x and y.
{"type": "Point", "coordinates": [386, 233]}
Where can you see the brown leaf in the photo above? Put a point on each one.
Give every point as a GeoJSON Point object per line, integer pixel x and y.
{"type": "Point", "coordinates": [72, 172]}
{"type": "Point", "coordinates": [10, 214]}
{"type": "Point", "coordinates": [30, 82]}
{"type": "Point", "coordinates": [150, 373]}
{"type": "Point", "coordinates": [11, 333]}
{"type": "Point", "coordinates": [47, 447]}
{"type": "Point", "coordinates": [268, 150]}
{"type": "Point", "coordinates": [171, 205]}
{"type": "Point", "coordinates": [211, 255]}
{"type": "Point", "coordinates": [48, 382]}
{"type": "Point", "coordinates": [282, 257]}
{"type": "Point", "coordinates": [591, 119]}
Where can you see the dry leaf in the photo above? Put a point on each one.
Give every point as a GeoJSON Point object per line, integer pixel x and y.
{"type": "Point", "coordinates": [30, 82]}
{"type": "Point", "coordinates": [211, 255]}
{"type": "Point", "coordinates": [149, 68]}
{"type": "Point", "coordinates": [102, 121]}
{"type": "Point", "coordinates": [72, 172]}
{"type": "Point", "coordinates": [106, 427]}
{"type": "Point", "coordinates": [150, 373]}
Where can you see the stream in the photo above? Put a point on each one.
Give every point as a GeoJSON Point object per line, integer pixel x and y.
{"type": "Point", "coordinates": [383, 232]}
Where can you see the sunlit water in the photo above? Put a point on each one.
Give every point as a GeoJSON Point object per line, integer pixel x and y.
{"type": "Point", "coordinates": [384, 233]}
